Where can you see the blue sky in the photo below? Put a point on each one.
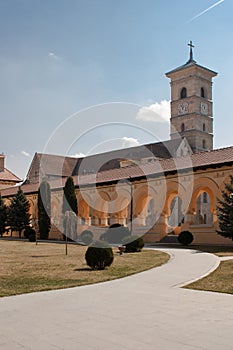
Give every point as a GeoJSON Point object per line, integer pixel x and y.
{"type": "Point", "coordinates": [59, 57]}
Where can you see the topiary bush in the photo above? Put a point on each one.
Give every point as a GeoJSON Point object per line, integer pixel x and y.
{"type": "Point", "coordinates": [185, 238]}
{"type": "Point", "coordinates": [87, 237]}
{"type": "Point", "coordinates": [133, 244]}
{"type": "Point", "coordinates": [30, 234]}
{"type": "Point", "coordinates": [27, 231]}
{"type": "Point", "coordinates": [99, 255]}
{"type": "Point", "coordinates": [115, 234]}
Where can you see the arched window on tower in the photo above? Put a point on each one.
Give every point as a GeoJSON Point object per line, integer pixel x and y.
{"type": "Point", "coordinates": [202, 92]}
{"type": "Point", "coordinates": [203, 144]}
{"type": "Point", "coordinates": [205, 197]}
{"type": "Point", "coordinates": [204, 129]}
{"type": "Point", "coordinates": [183, 93]}
{"type": "Point", "coordinates": [182, 127]}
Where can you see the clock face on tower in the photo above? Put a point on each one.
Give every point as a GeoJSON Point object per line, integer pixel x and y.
{"type": "Point", "coordinates": [182, 108]}
{"type": "Point", "coordinates": [204, 108]}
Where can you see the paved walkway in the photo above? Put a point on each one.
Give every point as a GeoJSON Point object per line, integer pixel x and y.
{"type": "Point", "coordinates": [147, 311]}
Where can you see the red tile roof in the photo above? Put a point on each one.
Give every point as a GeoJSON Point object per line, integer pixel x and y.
{"type": "Point", "coordinates": [56, 166]}
{"type": "Point", "coordinates": [215, 158]}
{"type": "Point", "coordinates": [7, 175]}
{"type": "Point", "coordinates": [51, 165]}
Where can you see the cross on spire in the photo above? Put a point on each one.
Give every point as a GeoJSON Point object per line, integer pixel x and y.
{"type": "Point", "coordinates": [191, 51]}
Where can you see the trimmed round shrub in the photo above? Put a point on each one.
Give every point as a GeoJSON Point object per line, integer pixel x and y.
{"type": "Point", "coordinates": [99, 255]}
{"type": "Point", "coordinates": [30, 234]}
{"type": "Point", "coordinates": [115, 234]}
{"type": "Point", "coordinates": [27, 231]}
{"type": "Point", "coordinates": [87, 237]}
{"type": "Point", "coordinates": [115, 225]}
{"type": "Point", "coordinates": [185, 238]}
{"type": "Point", "coordinates": [133, 244]}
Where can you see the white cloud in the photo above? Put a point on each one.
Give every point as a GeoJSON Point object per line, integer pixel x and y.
{"type": "Point", "coordinates": [129, 142]}
{"type": "Point", "coordinates": [156, 112]}
{"type": "Point", "coordinates": [26, 154]}
{"type": "Point", "coordinates": [52, 55]}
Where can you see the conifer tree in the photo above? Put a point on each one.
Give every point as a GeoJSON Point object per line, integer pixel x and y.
{"type": "Point", "coordinates": [3, 216]}
{"type": "Point", "coordinates": [18, 215]}
{"type": "Point", "coordinates": [44, 209]}
{"type": "Point", "coordinates": [69, 197]}
{"type": "Point", "coordinates": [69, 204]}
{"type": "Point", "coordinates": [225, 211]}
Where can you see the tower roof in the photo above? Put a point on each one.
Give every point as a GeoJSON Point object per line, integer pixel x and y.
{"type": "Point", "coordinates": [191, 63]}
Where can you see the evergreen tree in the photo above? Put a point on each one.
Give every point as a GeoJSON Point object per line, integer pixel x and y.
{"type": "Point", "coordinates": [225, 211]}
{"type": "Point", "coordinates": [18, 214]}
{"type": "Point", "coordinates": [69, 204]}
{"type": "Point", "coordinates": [44, 209]}
{"type": "Point", "coordinates": [69, 197]}
{"type": "Point", "coordinates": [3, 216]}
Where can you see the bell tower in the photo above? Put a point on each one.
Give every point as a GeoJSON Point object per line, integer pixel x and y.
{"type": "Point", "coordinates": [191, 104]}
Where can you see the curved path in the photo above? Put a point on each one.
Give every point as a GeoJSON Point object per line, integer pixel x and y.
{"type": "Point", "coordinates": [147, 311]}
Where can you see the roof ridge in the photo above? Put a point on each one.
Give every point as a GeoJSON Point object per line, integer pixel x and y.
{"type": "Point", "coordinates": [55, 155]}
{"type": "Point", "coordinates": [212, 150]}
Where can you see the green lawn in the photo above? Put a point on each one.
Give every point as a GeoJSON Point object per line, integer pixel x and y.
{"type": "Point", "coordinates": [26, 267]}
{"type": "Point", "coordinates": [221, 280]}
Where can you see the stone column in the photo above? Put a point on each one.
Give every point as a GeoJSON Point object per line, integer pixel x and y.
{"type": "Point", "coordinates": [140, 220]}
{"type": "Point", "coordinates": [104, 221]}
{"type": "Point", "coordinates": [188, 220]}
{"type": "Point", "coordinates": [122, 221]}
{"type": "Point", "coordinates": [161, 225]}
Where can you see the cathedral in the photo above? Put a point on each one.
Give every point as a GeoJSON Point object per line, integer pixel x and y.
{"type": "Point", "coordinates": [158, 189]}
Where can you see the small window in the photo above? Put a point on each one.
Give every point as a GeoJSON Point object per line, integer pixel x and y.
{"type": "Point", "coordinates": [204, 127]}
{"type": "Point", "coordinates": [183, 93]}
{"type": "Point", "coordinates": [202, 92]}
{"type": "Point", "coordinates": [203, 144]}
{"type": "Point", "coordinates": [204, 197]}
{"type": "Point", "coordinates": [182, 127]}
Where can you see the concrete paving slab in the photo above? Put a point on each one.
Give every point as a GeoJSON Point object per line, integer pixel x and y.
{"type": "Point", "coordinates": [144, 311]}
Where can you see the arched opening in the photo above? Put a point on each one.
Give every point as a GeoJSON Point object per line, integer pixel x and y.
{"type": "Point", "coordinates": [145, 206]}
{"type": "Point", "coordinates": [203, 127]}
{"type": "Point", "coordinates": [93, 221]}
{"type": "Point", "coordinates": [150, 218]}
{"type": "Point", "coordinates": [182, 127]}
{"type": "Point", "coordinates": [202, 92]}
{"type": "Point", "coordinates": [54, 216]}
{"type": "Point", "coordinates": [183, 93]}
{"type": "Point", "coordinates": [203, 214]}
{"type": "Point", "coordinates": [176, 217]}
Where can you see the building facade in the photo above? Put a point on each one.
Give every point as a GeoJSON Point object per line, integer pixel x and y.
{"type": "Point", "coordinates": [176, 188]}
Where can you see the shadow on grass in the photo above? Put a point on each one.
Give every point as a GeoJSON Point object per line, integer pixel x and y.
{"type": "Point", "coordinates": [41, 256]}
{"type": "Point", "coordinates": [84, 269]}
